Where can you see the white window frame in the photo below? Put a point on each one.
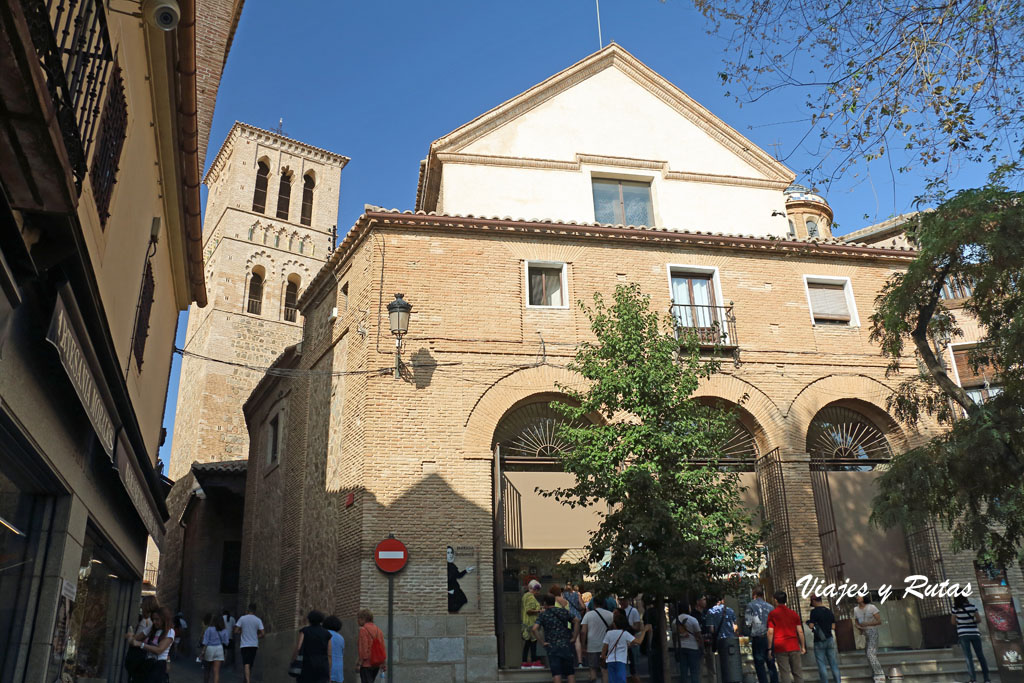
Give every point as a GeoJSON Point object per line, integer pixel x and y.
{"type": "Point", "coordinates": [687, 269]}
{"type": "Point", "coordinates": [851, 303]}
{"type": "Point", "coordinates": [565, 283]}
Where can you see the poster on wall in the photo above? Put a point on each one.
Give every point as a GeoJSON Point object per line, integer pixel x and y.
{"type": "Point", "coordinates": [1003, 626]}
{"type": "Point", "coordinates": [63, 647]}
{"type": "Point", "coordinates": [463, 590]}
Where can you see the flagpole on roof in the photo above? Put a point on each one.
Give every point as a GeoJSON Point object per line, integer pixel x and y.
{"type": "Point", "coordinates": [600, 42]}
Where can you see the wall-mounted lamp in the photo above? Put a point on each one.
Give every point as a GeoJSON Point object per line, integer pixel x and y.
{"type": "Point", "coordinates": [398, 316]}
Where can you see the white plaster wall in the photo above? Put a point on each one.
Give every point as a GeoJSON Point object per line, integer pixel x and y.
{"type": "Point", "coordinates": [567, 196]}
{"type": "Point", "coordinates": [609, 114]}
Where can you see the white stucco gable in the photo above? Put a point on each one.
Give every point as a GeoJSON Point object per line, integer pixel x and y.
{"type": "Point", "coordinates": [608, 116]}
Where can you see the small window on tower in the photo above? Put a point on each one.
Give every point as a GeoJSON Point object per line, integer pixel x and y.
{"type": "Point", "coordinates": [284, 195]}
{"type": "Point", "coordinates": [274, 439]}
{"type": "Point", "coordinates": [812, 227]}
{"type": "Point", "coordinates": [307, 200]}
{"type": "Point", "coordinates": [259, 195]}
{"type": "Point", "coordinates": [291, 297]}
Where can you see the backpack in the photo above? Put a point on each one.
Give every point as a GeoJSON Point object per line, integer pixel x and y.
{"type": "Point", "coordinates": [378, 655]}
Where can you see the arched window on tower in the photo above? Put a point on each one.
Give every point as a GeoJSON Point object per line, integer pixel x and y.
{"type": "Point", "coordinates": [284, 195]}
{"type": "Point", "coordinates": [307, 200]}
{"type": "Point", "coordinates": [255, 301]}
{"type": "Point", "coordinates": [259, 195]}
{"type": "Point", "coordinates": [812, 227]}
{"type": "Point", "coordinates": [291, 299]}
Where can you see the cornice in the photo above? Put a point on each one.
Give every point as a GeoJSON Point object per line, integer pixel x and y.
{"type": "Point", "coordinates": [272, 140]}
{"type": "Point", "coordinates": [603, 160]}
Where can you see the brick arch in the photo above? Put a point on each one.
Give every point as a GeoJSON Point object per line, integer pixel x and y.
{"type": "Point", "coordinates": [505, 393]}
{"type": "Point", "coordinates": [863, 393]}
{"type": "Point", "coordinates": [764, 412]}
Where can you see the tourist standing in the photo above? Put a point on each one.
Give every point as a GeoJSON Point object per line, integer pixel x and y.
{"type": "Point", "coordinates": [966, 618]}
{"type": "Point", "coordinates": [822, 623]}
{"type": "Point", "coordinates": [615, 646]}
{"type": "Point", "coordinates": [371, 639]}
{"type": "Point", "coordinates": [560, 631]}
{"type": "Point", "coordinates": [213, 647]}
{"type": "Point", "coordinates": [528, 617]}
{"type": "Point", "coordinates": [333, 624]}
{"type": "Point", "coordinates": [786, 635]}
{"type": "Point", "coordinates": [249, 629]}
{"type": "Point", "coordinates": [180, 634]}
{"type": "Point", "coordinates": [157, 646]}
{"type": "Point", "coordinates": [229, 647]}
{"type": "Point", "coordinates": [691, 645]}
{"type": "Point", "coordinates": [314, 644]}
{"type": "Point", "coordinates": [596, 623]}
{"type": "Point", "coordinates": [577, 610]}
{"type": "Point", "coordinates": [756, 618]}
{"type": "Point", "coordinates": [867, 619]}
{"type": "Point", "coordinates": [635, 625]}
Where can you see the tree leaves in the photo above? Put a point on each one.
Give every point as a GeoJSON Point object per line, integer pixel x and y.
{"type": "Point", "coordinates": [675, 520]}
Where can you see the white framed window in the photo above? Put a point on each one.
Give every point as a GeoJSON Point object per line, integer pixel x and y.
{"type": "Point", "coordinates": [830, 301]}
{"type": "Point", "coordinates": [275, 428]}
{"type": "Point", "coordinates": [546, 285]}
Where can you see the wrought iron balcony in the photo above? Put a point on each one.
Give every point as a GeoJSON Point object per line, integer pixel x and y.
{"type": "Point", "coordinates": [254, 306]}
{"type": "Point", "coordinates": [76, 55]}
{"type": "Point", "coordinates": [713, 325]}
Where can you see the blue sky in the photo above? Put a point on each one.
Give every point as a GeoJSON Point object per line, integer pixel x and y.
{"type": "Point", "coordinates": [378, 80]}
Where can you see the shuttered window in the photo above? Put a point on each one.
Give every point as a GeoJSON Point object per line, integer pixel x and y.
{"type": "Point", "coordinates": [968, 376]}
{"type": "Point", "coordinates": [828, 302]}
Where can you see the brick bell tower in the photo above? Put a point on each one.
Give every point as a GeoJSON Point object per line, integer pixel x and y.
{"type": "Point", "coordinates": [271, 217]}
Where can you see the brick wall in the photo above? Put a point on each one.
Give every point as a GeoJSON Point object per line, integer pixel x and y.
{"type": "Point", "coordinates": [416, 452]}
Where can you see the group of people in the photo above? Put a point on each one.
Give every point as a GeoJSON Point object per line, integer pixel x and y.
{"type": "Point", "coordinates": [603, 634]}
{"type": "Point", "coordinates": [157, 634]}
{"type": "Point", "coordinates": [319, 654]}
{"type": "Point", "coordinates": [578, 630]}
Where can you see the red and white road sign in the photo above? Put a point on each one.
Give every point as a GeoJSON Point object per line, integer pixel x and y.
{"type": "Point", "coordinates": [391, 555]}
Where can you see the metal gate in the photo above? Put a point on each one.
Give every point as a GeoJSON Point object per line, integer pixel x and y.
{"type": "Point", "coordinates": [828, 536]}
{"type": "Point", "coordinates": [926, 559]}
{"type": "Point", "coordinates": [771, 486]}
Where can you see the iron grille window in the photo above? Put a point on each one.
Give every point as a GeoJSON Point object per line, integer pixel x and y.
{"type": "Point", "coordinates": [259, 195]}
{"type": "Point", "coordinates": [284, 194]}
{"type": "Point", "coordinates": [307, 201]}
{"type": "Point", "coordinates": [623, 202]}
{"type": "Point", "coordinates": [112, 132]}
{"type": "Point", "coordinates": [255, 304]}
{"type": "Point", "coordinates": [291, 295]}
{"type": "Point", "coordinates": [142, 315]}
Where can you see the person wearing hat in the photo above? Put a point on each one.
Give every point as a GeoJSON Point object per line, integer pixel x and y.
{"type": "Point", "coordinates": [530, 610]}
{"type": "Point", "coordinates": [822, 623]}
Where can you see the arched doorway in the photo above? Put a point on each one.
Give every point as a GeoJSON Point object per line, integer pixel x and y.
{"type": "Point", "coordinates": [848, 441]}
{"type": "Point", "coordinates": [535, 537]}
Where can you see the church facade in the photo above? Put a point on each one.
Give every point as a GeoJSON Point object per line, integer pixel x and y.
{"type": "Point", "coordinates": [603, 174]}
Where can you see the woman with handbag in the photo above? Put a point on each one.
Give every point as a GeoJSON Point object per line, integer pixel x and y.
{"type": "Point", "coordinates": [212, 646]}
{"type": "Point", "coordinates": [312, 652]}
{"type": "Point", "coordinates": [157, 646]}
{"type": "Point", "coordinates": [614, 650]}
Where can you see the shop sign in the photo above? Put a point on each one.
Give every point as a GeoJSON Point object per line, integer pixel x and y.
{"type": "Point", "coordinates": [138, 492]}
{"type": "Point", "coordinates": [73, 357]}
{"type": "Point", "coordinates": [1003, 627]}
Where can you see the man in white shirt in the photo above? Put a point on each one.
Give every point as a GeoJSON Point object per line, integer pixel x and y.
{"type": "Point", "coordinates": [250, 629]}
{"type": "Point", "coordinates": [595, 625]}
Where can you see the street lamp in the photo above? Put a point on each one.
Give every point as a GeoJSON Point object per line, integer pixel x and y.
{"type": "Point", "coordinates": [398, 316]}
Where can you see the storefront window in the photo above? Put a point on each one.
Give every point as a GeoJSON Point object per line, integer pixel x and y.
{"type": "Point", "coordinates": [89, 646]}
{"type": "Point", "coordinates": [16, 540]}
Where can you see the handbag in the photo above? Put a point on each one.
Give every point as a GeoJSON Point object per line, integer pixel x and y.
{"type": "Point", "coordinates": [295, 668]}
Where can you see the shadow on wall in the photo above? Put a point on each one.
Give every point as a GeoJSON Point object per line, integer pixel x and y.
{"type": "Point", "coordinates": [339, 576]}
{"type": "Point", "coordinates": [423, 367]}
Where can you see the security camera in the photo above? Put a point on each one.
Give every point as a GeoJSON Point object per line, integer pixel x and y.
{"type": "Point", "coordinates": [162, 14]}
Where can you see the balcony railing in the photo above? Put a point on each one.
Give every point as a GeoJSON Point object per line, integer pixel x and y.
{"type": "Point", "coordinates": [291, 313]}
{"type": "Point", "coordinates": [714, 325]}
{"type": "Point", "coordinates": [74, 48]}
{"type": "Point", "coordinates": [254, 306]}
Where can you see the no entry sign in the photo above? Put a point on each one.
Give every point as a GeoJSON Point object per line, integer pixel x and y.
{"type": "Point", "coordinates": [391, 555]}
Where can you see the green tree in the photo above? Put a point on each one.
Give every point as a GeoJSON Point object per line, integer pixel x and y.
{"type": "Point", "coordinates": [675, 520]}
{"type": "Point", "coordinates": [971, 478]}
